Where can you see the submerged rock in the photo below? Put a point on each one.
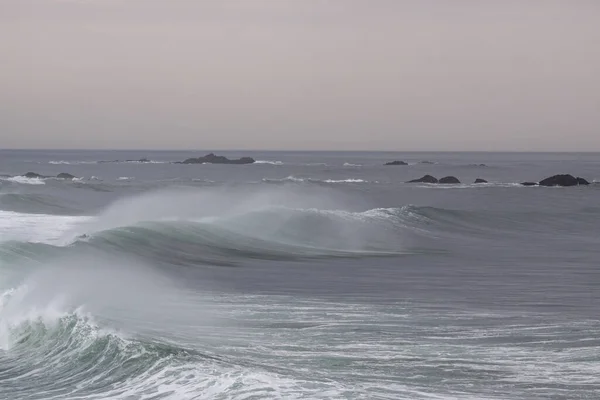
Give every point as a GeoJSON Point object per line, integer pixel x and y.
{"type": "Point", "coordinates": [563, 180]}
{"type": "Point", "coordinates": [214, 159]}
{"type": "Point", "coordinates": [449, 180]}
{"type": "Point", "coordinates": [396, 163]}
{"type": "Point", "coordinates": [64, 175]}
{"type": "Point", "coordinates": [479, 180]}
{"type": "Point", "coordinates": [529, 183]}
{"type": "Point", "coordinates": [425, 179]}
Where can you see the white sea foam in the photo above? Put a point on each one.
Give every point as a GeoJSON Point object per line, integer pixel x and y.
{"type": "Point", "coordinates": [350, 180]}
{"type": "Point", "coordinates": [352, 165]}
{"type": "Point", "coordinates": [63, 162]}
{"type": "Point", "coordinates": [268, 162]}
{"type": "Point", "coordinates": [39, 228]}
{"type": "Point", "coordinates": [25, 181]}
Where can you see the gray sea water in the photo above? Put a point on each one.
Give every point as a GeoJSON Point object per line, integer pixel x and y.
{"type": "Point", "coordinates": [308, 275]}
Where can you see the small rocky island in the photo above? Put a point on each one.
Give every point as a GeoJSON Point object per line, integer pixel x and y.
{"type": "Point", "coordinates": [563, 180]}
{"type": "Point", "coordinates": [396, 163]}
{"type": "Point", "coordinates": [214, 159]}
{"type": "Point", "coordinates": [425, 179]}
{"type": "Point", "coordinates": [447, 180]}
{"type": "Point", "coordinates": [62, 175]}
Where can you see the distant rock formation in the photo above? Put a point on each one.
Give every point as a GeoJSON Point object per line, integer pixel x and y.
{"type": "Point", "coordinates": [64, 175]}
{"type": "Point", "coordinates": [33, 175]}
{"type": "Point", "coordinates": [425, 179]}
{"type": "Point", "coordinates": [563, 180]}
{"type": "Point", "coordinates": [214, 159]}
{"type": "Point", "coordinates": [479, 180]}
{"type": "Point", "coordinates": [449, 180]}
{"type": "Point", "coordinates": [426, 162]}
{"type": "Point", "coordinates": [141, 160]}
{"type": "Point", "coordinates": [529, 183]}
{"type": "Point", "coordinates": [396, 163]}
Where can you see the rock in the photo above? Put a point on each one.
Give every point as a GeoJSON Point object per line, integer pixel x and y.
{"type": "Point", "coordinates": [214, 159]}
{"type": "Point", "coordinates": [64, 175]}
{"type": "Point", "coordinates": [33, 175]}
{"type": "Point", "coordinates": [449, 180]}
{"type": "Point", "coordinates": [529, 183]}
{"type": "Point", "coordinates": [479, 180]}
{"type": "Point", "coordinates": [563, 180]}
{"type": "Point", "coordinates": [426, 162]}
{"type": "Point", "coordinates": [396, 163]}
{"type": "Point", "coordinates": [425, 179]}
{"type": "Point", "coordinates": [141, 160]}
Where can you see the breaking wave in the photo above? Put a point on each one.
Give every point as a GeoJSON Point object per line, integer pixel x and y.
{"type": "Point", "coordinates": [24, 180]}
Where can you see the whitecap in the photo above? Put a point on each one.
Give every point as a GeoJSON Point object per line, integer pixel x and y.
{"type": "Point", "coordinates": [350, 180]}
{"type": "Point", "coordinates": [26, 181]}
{"type": "Point", "coordinates": [268, 162]}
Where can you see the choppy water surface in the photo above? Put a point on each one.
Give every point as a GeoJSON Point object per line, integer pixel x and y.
{"type": "Point", "coordinates": [303, 276]}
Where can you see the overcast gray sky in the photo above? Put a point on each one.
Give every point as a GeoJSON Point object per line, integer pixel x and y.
{"type": "Point", "coordinates": [300, 74]}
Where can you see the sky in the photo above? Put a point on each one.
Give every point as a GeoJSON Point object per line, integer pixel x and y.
{"type": "Point", "coordinates": [473, 75]}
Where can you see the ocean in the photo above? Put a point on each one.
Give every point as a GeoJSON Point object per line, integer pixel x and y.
{"type": "Point", "coordinates": [307, 275]}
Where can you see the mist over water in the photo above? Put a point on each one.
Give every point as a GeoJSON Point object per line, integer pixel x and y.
{"type": "Point", "coordinates": [308, 275]}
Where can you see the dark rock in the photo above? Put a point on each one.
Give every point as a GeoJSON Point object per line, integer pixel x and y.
{"type": "Point", "coordinates": [563, 180]}
{"type": "Point", "coordinates": [213, 159]}
{"type": "Point", "coordinates": [449, 180]}
{"type": "Point", "coordinates": [529, 183]}
{"type": "Point", "coordinates": [33, 175]}
{"type": "Point", "coordinates": [141, 160]}
{"type": "Point", "coordinates": [64, 175]}
{"type": "Point", "coordinates": [425, 179]}
{"type": "Point", "coordinates": [396, 163]}
{"type": "Point", "coordinates": [479, 180]}
{"type": "Point", "coordinates": [426, 162]}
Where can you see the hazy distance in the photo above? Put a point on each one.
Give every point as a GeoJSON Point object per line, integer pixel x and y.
{"type": "Point", "coordinates": [300, 74]}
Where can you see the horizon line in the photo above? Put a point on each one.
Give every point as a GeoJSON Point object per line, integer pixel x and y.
{"type": "Point", "coordinates": [295, 150]}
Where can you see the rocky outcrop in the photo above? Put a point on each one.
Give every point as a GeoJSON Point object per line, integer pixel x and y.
{"type": "Point", "coordinates": [449, 180]}
{"type": "Point", "coordinates": [141, 160]}
{"type": "Point", "coordinates": [33, 175]}
{"type": "Point", "coordinates": [396, 163]}
{"type": "Point", "coordinates": [425, 179]}
{"type": "Point", "coordinates": [581, 181]}
{"type": "Point", "coordinates": [479, 180]}
{"type": "Point", "coordinates": [214, 159]}
{"type": "Point", "coordinates": [427, 162]}
{"type": "Point", "coordinates": [529, 183]}
{"type": "Point", "coordinates": [64, 175]}
{"type": "Point", "coordinates": [563, 180]}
